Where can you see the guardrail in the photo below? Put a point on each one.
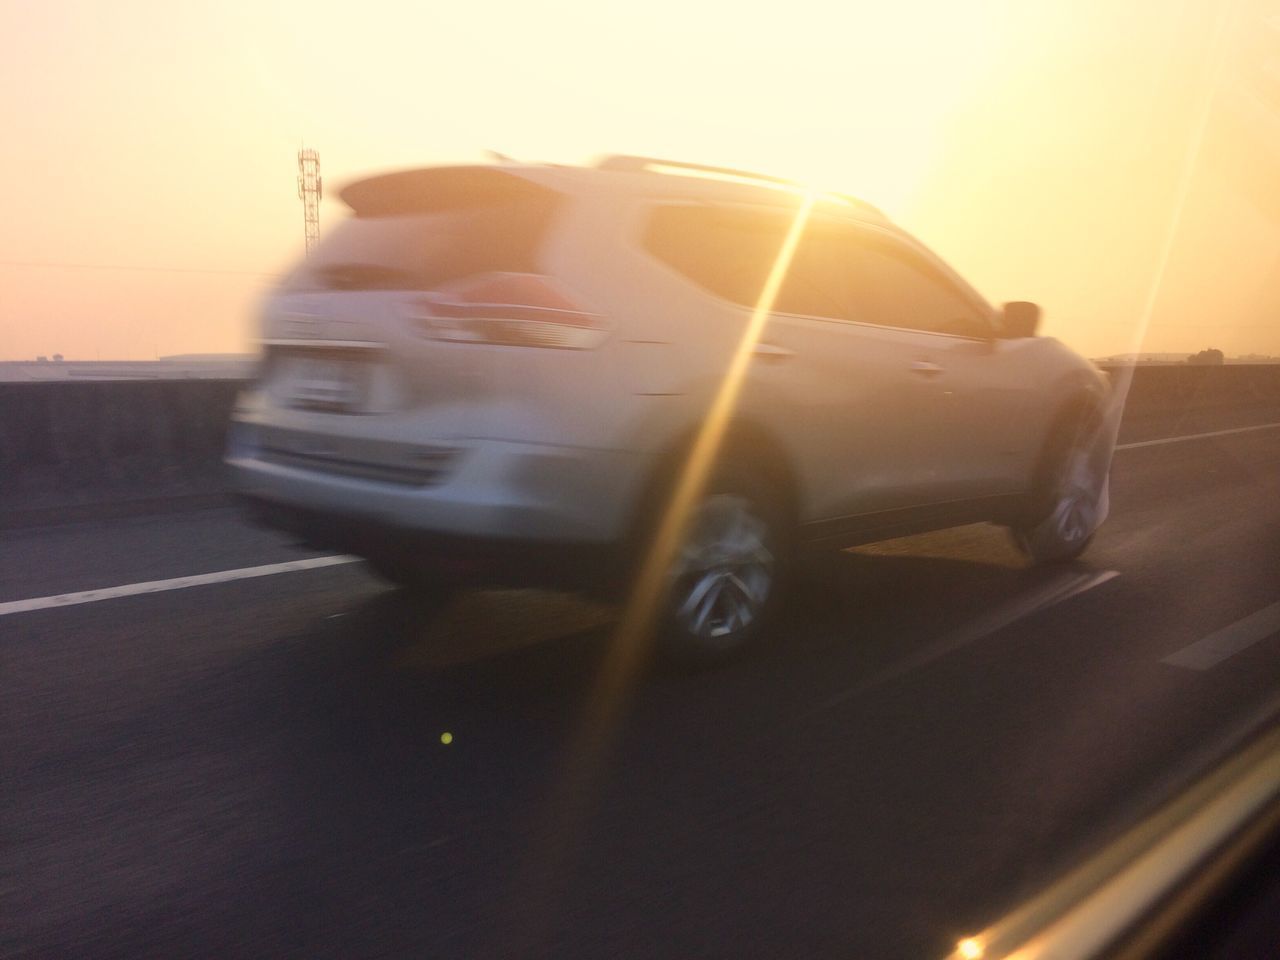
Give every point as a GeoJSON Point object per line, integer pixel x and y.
{"type": "Point", "coordinates": [72, 449]}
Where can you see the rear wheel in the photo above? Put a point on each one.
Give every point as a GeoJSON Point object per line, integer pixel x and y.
{"type": "Point", "coordinates": [725, 582]}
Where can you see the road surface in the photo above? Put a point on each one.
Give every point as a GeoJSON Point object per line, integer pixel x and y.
{"type": "Point", "coordinates": [257, 767]}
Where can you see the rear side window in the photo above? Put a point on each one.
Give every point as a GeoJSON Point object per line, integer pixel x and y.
{"type": "Point", "coordinates": [731, 251]}
{"type": "Point", "coordinates": [420, 249]}
{"type": "Point", "coordinates": [728, 252]}
{"type": "Point", "coordinates": [817, 284]}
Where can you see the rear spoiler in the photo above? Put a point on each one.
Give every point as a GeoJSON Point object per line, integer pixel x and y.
{"type": "Point", "coordinates": [437, 189]}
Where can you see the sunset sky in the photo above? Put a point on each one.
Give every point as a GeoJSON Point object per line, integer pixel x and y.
{"type": "Point", "coordinates": [149, 155]}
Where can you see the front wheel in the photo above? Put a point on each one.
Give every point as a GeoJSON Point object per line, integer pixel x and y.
{"type": "Point", "coordinates": [725, 582]}
{"type": "Point", "coordinates": [1071, 501]}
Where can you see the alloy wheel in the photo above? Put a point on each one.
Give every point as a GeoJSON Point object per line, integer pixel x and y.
{"type": "Point", "coordinates": [724, 574]}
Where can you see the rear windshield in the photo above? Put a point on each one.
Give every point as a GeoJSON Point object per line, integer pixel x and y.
{"type": "Point", "coordinates": [421, 250]}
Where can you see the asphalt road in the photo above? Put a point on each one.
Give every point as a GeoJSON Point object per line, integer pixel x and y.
{"type": "Point", "coordinates": [256, 768]}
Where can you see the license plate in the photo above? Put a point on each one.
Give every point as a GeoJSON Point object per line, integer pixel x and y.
{"type": "Point", "coordinates": [326, 384]}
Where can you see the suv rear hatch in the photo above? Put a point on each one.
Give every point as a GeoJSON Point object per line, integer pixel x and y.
{"type": "Point", "coordinates": [359, 328]}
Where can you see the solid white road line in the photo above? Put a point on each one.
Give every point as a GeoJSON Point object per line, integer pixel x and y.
{"type": "Point", "coordinates": [1195, 436]}
{"type": "Point", "coordinates": [1227, 642]}
{"type": "Point", "coordinates": [1024, 605]}
{"type": "Point", "coordinates": [177, 583]}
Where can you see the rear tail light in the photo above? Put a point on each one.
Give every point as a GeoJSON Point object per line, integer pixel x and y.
{"type": "Point", "coordinates": [512, 309]}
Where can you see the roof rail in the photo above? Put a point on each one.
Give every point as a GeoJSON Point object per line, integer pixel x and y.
{"type": "Point", "coordinates": [636, 164]}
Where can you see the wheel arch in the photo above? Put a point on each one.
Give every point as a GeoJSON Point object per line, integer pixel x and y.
{"type": "Point", "coordinates": [745, 439]}
{"type": "Point", "coordinates": [1080, 405]}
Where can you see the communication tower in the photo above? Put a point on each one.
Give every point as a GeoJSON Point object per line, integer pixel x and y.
{"type": "Point", "coordinates": [310, 187]}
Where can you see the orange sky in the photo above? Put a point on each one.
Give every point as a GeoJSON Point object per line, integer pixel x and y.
{"type": "Point", "coordinates": [1037, 146]}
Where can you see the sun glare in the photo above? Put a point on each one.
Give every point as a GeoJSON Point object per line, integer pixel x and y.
{"type": "Point", "coordinates": [629, 643]}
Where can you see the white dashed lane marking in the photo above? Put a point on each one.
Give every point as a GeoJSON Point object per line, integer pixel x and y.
{"type": "Point", "coordinates": [1195, 436]}
{"type": "Point", "coordinates": [1227, 642]}
{"type": "Point", "coordinates": [160, 586]}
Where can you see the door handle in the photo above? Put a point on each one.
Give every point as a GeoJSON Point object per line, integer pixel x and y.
{"type": "Point", "coordinates": [925, 368]}
{"type": "Point", "coordinates": [772, 353]}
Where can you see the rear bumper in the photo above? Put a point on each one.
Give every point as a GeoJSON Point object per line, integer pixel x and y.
{"type": "Point", "coordinates": [499, 507]}
{"type": "Point", "coordinates": [491, 489]}
{"type": "Point", "coordinates": [480, 561]}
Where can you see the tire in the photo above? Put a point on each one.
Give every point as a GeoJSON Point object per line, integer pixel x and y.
{"type": "Point", "coordinates": [1069, 500]}
{"type": "Point", "coordinates": [726, 582]}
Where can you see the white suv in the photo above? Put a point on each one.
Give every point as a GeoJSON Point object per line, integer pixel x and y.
{"type": "Point", "coordinates": [495, 375]}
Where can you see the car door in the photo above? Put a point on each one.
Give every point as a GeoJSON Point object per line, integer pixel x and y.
{"type": "Point", "coordinates": [973, 429]}
{"type": "Point", "coordinates": [854, 409]}
{"type": "Point", "coordinates": [823, 387]}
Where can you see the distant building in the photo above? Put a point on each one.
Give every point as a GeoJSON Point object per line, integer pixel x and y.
{"type": "Point", "coordinates": [1145, 358]}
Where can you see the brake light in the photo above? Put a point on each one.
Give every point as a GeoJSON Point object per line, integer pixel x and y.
{"type": "Point", "coordinates": [511, 309]}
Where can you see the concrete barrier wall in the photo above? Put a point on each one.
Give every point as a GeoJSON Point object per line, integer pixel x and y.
{"type": "Point", "coordinates": [66, 444]}
{"type": "Point", "coordinates": [74, 449]}
{"type": "Point", "coordinates": [1162, 390]}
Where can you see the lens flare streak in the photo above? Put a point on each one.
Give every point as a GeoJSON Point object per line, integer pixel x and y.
{"type": "Point", "coordinates": [537, 886]}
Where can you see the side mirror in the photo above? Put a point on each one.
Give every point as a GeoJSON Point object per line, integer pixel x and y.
{"type": "Point", "coordinates": [1019, 318]}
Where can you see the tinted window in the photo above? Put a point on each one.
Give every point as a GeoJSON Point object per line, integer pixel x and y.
{"type": "Point", "coordinates": [731, 252]}
{"type": "Point", "coordinates": [837, 271]}
{"type": "Point", "coordinates": [888, 285]}
{"type": "Point", "coordinates": [817, 282]}
{"type": "Point", "coordinates": [728, 252]}
{"type": "Point", "coordinates": [420, 251]}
